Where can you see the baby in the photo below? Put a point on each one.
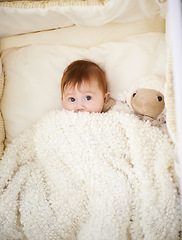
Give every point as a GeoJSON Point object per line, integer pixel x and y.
{"type": "Point", "coordinates": [84, 87]}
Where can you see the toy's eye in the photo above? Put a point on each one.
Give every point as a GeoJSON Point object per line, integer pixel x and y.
{"type": "Point", "coordinates": [134, 94]}
{"type": "Point", "coordinates": [160, 98]}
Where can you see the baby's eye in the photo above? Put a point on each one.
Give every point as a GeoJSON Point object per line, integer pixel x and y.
{"type": "Point", "coordinates": [88, 98]}
{"type": "Point", "coordinates": [71, 99]}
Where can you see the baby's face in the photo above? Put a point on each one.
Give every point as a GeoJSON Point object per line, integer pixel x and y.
{"type": "Point", "coordinates": [87, 98]}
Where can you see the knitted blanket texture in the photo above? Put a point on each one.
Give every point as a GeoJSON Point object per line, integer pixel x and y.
{"type": "Point", "coordinates": [84, 176]}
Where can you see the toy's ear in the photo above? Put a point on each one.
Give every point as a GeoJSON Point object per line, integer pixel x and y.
{"type": "Point", "coordinates": [147, 102]}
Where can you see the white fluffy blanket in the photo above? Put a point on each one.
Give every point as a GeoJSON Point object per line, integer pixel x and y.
{"type": "Point", "coordinates": [89, 177]}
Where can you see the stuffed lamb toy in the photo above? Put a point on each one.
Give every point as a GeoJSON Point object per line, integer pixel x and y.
{"type": "Point", "coordinates": [145, 100]}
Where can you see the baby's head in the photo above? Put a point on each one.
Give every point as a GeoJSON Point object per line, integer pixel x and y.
{"type": "Point", "coordinates": [84, 87]}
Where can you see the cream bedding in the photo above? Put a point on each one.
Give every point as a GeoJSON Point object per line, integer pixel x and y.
{"type": "Point", "coordinates": [19, 17]}
{"type": "Point", "coordinates": [26, 97]}
{"type": "Point", "coordinates": [111, 178]}
{"type": "Point", "coordinates": [33, 72]}
{"type": "Point", "coordinates": [89, 176]}
{"type": "Point", "coordinates": [86, 36]}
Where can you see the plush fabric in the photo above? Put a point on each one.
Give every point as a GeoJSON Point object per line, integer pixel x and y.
{"type": "Point", "coordinates": [33, 74]}
{"type": "Point", "coordinates": [89, 176]}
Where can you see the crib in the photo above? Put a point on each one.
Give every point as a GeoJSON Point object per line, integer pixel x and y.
{"type": "Point", "coordinates": [134, 42]}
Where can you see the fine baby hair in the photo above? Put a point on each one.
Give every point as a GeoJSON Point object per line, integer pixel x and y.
{"type": "Point", "coordinates": [81, 71]}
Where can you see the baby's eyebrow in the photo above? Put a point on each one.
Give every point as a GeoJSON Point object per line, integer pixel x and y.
{"type": "Point", "coordinates": [88, 92]}
{"type": "Point", "coordinates": [68, 94]}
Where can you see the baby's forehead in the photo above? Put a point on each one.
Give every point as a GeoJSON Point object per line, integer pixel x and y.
{"type": "Point", "coordinates": [81, 86]}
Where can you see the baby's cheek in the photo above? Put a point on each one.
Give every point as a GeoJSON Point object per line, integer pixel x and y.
{"type": "Point", "coordinates": [96, 109]}
{"type": "Point", "coordinates": [67, 106]}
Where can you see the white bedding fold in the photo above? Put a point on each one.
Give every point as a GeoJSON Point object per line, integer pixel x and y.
{"type": "Point", "coordinates": [26, 18]}
{"type": "Point", "coordinates": [89, 176]}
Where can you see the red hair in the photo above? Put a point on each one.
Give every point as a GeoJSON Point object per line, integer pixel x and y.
{"type": "Point", "coordinates": [83, 71]}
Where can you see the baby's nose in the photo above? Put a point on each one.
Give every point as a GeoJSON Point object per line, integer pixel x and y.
{"type": "Point", "coordinates": [80, 107]}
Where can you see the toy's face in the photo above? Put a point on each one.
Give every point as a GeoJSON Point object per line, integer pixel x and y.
{"type": "Point", "coordinates": [147, 102]}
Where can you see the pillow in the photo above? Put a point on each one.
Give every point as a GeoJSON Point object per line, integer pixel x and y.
{"type": "Point", "coordinates": [33, 74]}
